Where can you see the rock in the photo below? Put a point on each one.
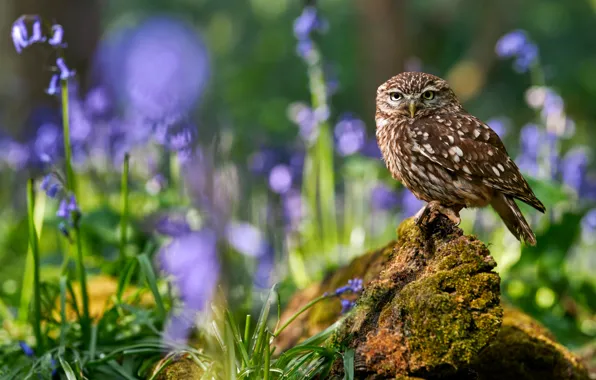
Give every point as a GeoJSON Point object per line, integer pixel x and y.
{"type": "Point", "coordinates": [179, 368]}
{"type": "Point", "coordinates": [525, 350]}
{"type": "Point", "coordinates": [430, 309]}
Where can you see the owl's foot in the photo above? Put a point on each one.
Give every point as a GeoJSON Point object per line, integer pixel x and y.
{"type": "Point", "coordinates": [430, 212]}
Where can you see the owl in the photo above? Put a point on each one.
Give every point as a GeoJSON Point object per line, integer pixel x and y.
{"type": "Point", "coordinates": [447, 157]}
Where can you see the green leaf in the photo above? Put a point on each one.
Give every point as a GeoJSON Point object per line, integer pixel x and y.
{"type": "Point", "coordinates": [147, 269]}
{"type": "Point", "coordinates": [70, 375]}
{"type": "Point", "coordinates": [548, 191]}
{"type": "Point", "coordinates": [349, 364]}
{"type": "Point", "coordinates": [259, 333]}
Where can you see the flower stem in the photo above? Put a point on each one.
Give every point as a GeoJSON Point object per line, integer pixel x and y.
{"type": "Point", "coordinates": [85, 318]}
{"type": "Point", "coordinates": [70, 181]}
{"type": "Point", "coordinates": [33, 243]}
{"type": "Point", "coordinates": [297, 314]}
{"type": "Point", "coordinates": [124, 218]}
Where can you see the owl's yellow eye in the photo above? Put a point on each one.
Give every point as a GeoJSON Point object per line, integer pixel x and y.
{"type": "Point", "coordinates": [394, 96]}
{"type": "Point", "coordinates": [428, 95]}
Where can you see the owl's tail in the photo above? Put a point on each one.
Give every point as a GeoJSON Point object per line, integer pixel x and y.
{"type": "Point", "coordinates": [508, 210]}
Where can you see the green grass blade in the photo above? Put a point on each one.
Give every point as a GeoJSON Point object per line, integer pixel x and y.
{"type": "Point", "coordinates": [125, 278]}
{"type": "Point", "coordinates": [349, 364]}
{"type": "Point", "coordinates": [147, 269]}
{"type": "Point", "coordinates": [231, 321]}
{"type": "Point", "coordinates": [259, 333]}
{"type": "Point", "coordinates": [70, 375]}
{"type": "Point", "coordinates": [63, 321]}
{"type": "Point", "coordinates": [124, 216]}
{"type": "Point", "coordinates": [34, 244]}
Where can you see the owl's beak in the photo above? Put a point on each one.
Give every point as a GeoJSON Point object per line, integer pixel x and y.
{"type": "Point", "coordinates": [412, 108]}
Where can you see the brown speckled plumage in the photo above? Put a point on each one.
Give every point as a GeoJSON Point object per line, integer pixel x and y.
{"type": "Point", "coordinates": [446, 156]}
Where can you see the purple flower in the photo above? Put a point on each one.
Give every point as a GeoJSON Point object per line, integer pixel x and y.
{"type": "Point", "coordinates": [27, 350]}
{"type": "Point", "coordinates": [308, 22]}
{"type": "Point", "coordinates": [573, 168]}
{"type": "Point", "coordinates": [371, 149]}
{"type": "Point", "coordinates": [162, 69]}
{"type": "Point", "coordinates": [511, 44]}
{"type": "Point", "coordinates": [346, 305]}
{"type": "Point", "coordinates": [54, 86]}
{"type": "Point", "coordinates": [409, 203]}
{"type": "Point", "coordinates": [293, 206]}
{"type": "Point", "coordinates": [517, 45]}
{"type": "Point", "coordinates": [192, 261]}
{"type": "Point", "coordinates": [246, 239]}
{"type": "Point", "coordinates": [20, 34]}
{"type": "Point", "coordinates": [280, 179]}
{"type": "Point", "coordinates": [589, 223]}
{"type": "Point", "coordinates": [354, 285]}
{"type": "Point", "coordinates": [499, 125]}
{"type": "Point", "coordinates": [531, 138]}
{"type": "Point", "coordinates": [57, 36]}
{"type": "Point", "coordinates": [172, 226]}
{"type": "Point", "coordinates": [97, 102]}
{"type": "Point", "coordinates": [46, 144]}
{"type": "Point", "coordinates": [350, 135]}
{"type": "Point", "coordinates": [14, 154]}
{"type": "Point", "coordinates": [65, 72]}
{"type": "Point", "coordinates": [72, 204]}
{"type": "Point", "coordinates": [383, 198]}
{"type": "Point", "coordinates": [262, 161]}
{"type": "Point", "coordinates": [553, 103]}
{"type": "Point", "coordinates": [305, 48]}
{"type": "Point", "coordinates": [63, 211]}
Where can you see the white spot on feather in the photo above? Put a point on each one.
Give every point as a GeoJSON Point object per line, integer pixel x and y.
{"type": "Point", "coordinates": [496, 171]}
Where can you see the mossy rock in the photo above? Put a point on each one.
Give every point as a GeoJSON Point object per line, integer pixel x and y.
{"type": "Point", "coordinates": [526, 350]}
{"type": "Point", "coordinates": [179, 368]}
{"type": "Point", "coordinates": [430, 310]}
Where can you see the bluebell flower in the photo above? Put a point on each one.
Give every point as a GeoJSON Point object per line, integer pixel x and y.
{"type": "Point", "coordinates": [371, 149]}
{"type": "Point", "coordinates": [350, 135]}
{"type": "Point", "coordinates": [294, 211]}
{"type": "Point", "coordinates": [172, 226]}
{"type": "Point", "coordinates": [192, 261]}
{"type": "Point", "coordinates": [516, 44]}
{"type": "Point", "coordinates": [262, 161]}
{"type": "Point", "coordinates": [63, 228]}
{"type": "Point", "coordinates": [20, 34]}
{"type": "Point", "coordinates": [409, 203]}
{"type": "Point", "coordinates": [160, 69]}
{"type": "Point", "coordinates": [384, 198]}
{"type": "Point", "coordinates": [47, 143]}
{"type": "Point", "coordinates": [54, 86]}
{"type": "Point", "coordinates": [589, 222]}
{"type": "Point", "coordinates": [14, 154]}
{"type": "Point", "coordinates": [553, 103]}
{"type": "Point", "coordinates": [246, 239]}
{"type": "Point", "coordinates": [499, 125]}
{"type": "Point", "coordinates": [354, 285]}
{"type": "Point", "coordinates": [63, 211]}
{"type": "Point", "coordinates": [346, 305]}
{"type": "Point", "coordinates": [27, 350]}
{"type": "Point", "coordinates": [308, 22]}
{"type": "Point", "coordinates": [72, 205]}
{"type": "Point", "coordinates": [57, 36]}
{"type": "Point", "coordinates": [511, 44]}
{"type": "Point", "coordinates": [53, 190]}
{"type": "Point", "coordinates": [65, 72]}
{"type": "Point", "coordinates": [305, 48]}
{"type": "Point", "coordinates": [573, 168]}
{"type": "Point", "coordinates": [280, 179]}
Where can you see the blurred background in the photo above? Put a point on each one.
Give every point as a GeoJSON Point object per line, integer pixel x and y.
{"type": "Point", "coordinates": [278, 104]}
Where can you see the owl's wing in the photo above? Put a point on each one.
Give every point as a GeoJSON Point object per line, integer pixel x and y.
{"type": "Point", "coordinates": [467, 147]}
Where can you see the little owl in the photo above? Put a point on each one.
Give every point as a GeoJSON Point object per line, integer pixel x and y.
{"type": "Point", "coordinates": [446, 156]}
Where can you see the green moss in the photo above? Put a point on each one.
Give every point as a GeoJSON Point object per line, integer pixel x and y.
{"type": "Point", "coordinates": [183, 368]}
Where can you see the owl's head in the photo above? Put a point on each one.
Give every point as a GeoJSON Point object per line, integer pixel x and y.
{"type": "Point", "coordinates": [414, 95]}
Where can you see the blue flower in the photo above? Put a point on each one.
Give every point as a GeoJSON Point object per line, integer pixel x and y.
{"type": "Point", "coordinates": [308, 22]}
{"type": "Point", "coordinates": [47, 143]}
{"type": "Point", "coordinates": [354, 285]}
{"type": "Point", "coordinates": [63, 211]}
{"type": "Point", "coordinates": [57, 36]}
{"type": "Point", "coordinates": [280, 179]}
{"type": "Point", "coordinates": [27, 350]}
{"type": "Point", "coordinates": [384, 198]}
{"type": "Point", "coordinates": [172, 226]}
{"type": "Point", "coordinates": [246, 239]}
{"type": "Point", "coordinates": [65, 72]}
{"type": "Point", "coordinates": [350, 135]}
{"type": "Point", "coordinates": [20, 34]}
{"type": "Point", "coordinates": [499, 125]}
{"type": "Point", "coordinates": [346, 305]}
{"type": "Point", "coordinates": [293, 206]}
{"type": "Point", "coordinates": [192, 261]}
{"type": "Point", "coordinates": [517, 45]}
{"type": "Point", "coordinates": [589, 222]}
{"type": "Point", "coordinates": [160, 69]}
{"type": "Point", "coordinates": [511, 44]}
{"type": "Point", "coordinates": [573, 168]}
{"type": "Point", "coordinates": [409, 203]}
{"type": "Point", "coordinates": [54, 86]}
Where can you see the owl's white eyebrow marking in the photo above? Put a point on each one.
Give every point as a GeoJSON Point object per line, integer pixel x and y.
{"type": "Point", "coordinates": [430, 88]}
